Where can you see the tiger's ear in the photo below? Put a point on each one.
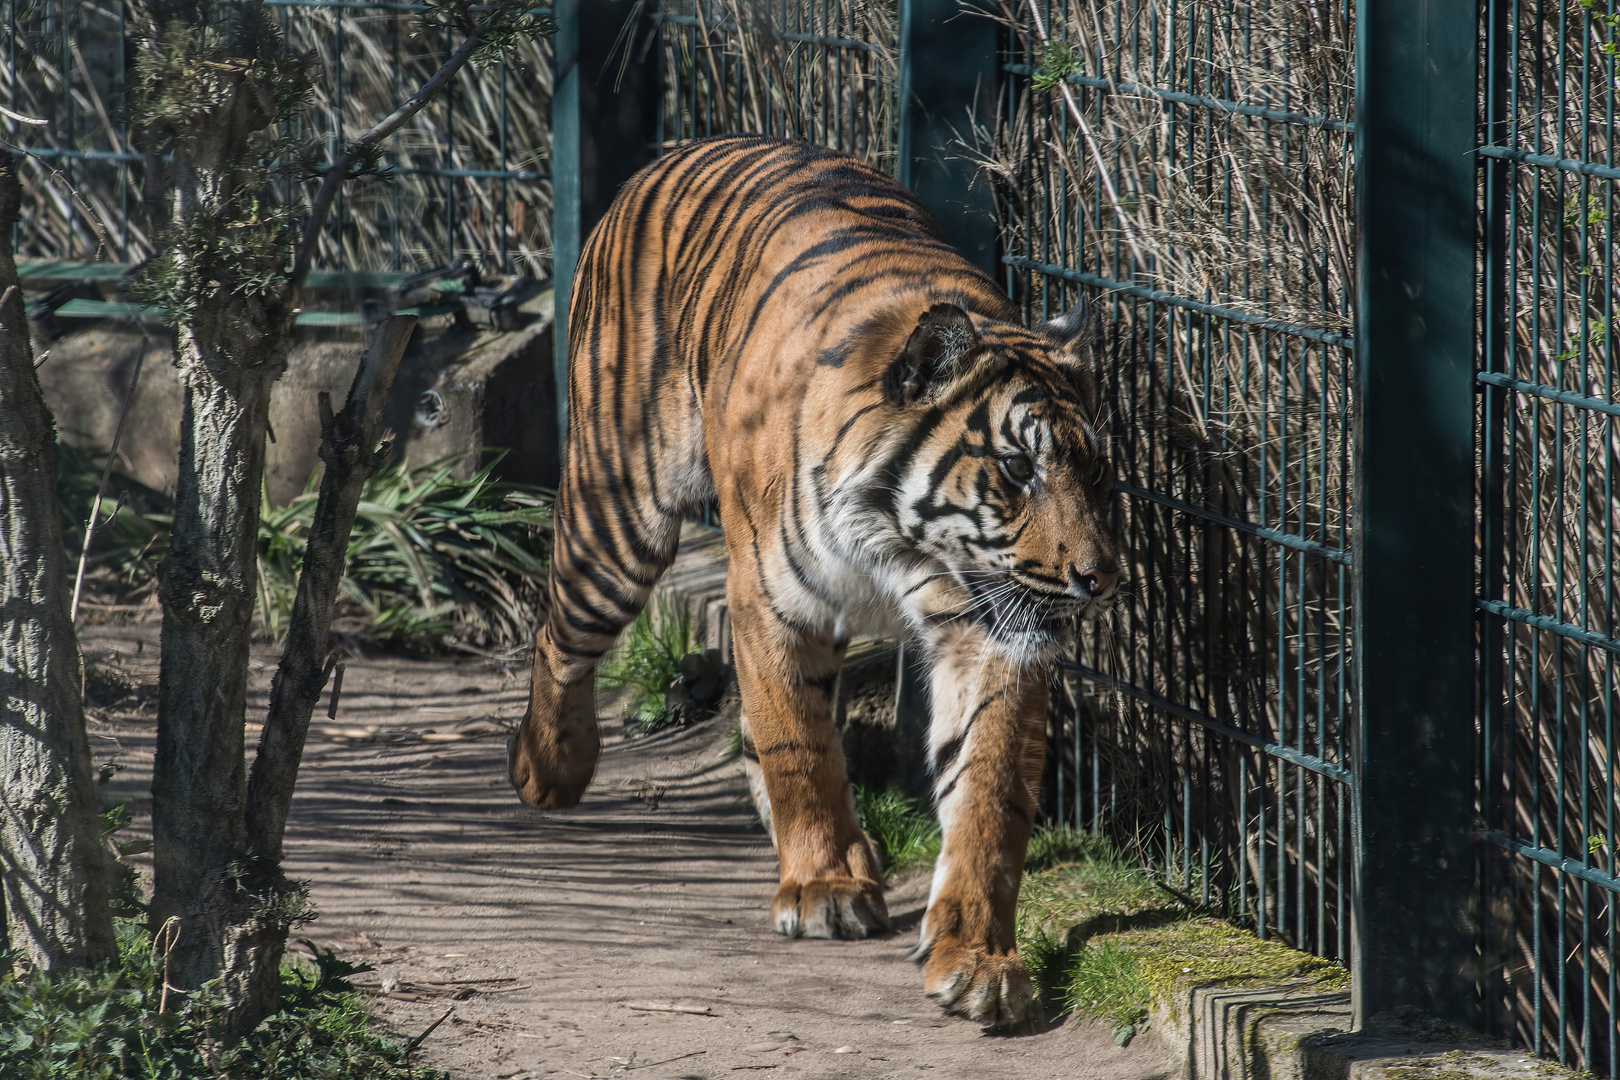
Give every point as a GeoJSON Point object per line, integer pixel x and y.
{"type": "Point", "coordinates": [1075, 332]}
{"type": "Point", "coordinates": [933, 356]}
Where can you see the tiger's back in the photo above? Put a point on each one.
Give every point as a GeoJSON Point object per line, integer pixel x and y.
{"type": "Point", "coordinates": [783, 329]}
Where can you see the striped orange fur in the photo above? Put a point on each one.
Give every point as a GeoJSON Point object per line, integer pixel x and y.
{"type": "Point", "coordinates": [781, 328]}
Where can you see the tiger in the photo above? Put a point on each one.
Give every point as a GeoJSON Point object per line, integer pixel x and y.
{"type": "Point", "coordinates": [782, 329]}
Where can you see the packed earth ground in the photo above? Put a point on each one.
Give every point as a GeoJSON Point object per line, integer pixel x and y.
{"type": "Point", "coordinates": [626, 937]}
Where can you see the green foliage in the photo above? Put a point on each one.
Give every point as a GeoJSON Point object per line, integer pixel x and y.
{"type": "Point", "coordinates": [211, 81]}
{"type": "Point", "coordinates": [501, 26]}
{"type": "Point", "coordinates": [1064, 845]}
{"type": "Point", "coordinates": [118, 1024]}
{"type": "Point", "coordinates": [130, 521]}
{"type": "Point", "coordinates": [1059, 60]}
{"type": "Point", "coordinates": [1071, 878]}
{"type": "Point", "coordinates": [646, 660]}
{"type": "Point", "coordinates": [1606, 26]}
{"type": "Point", "coordinates": [903, 828]}
{"type": "Point", "coordinates": [431, 559]}
{"type": "Point", "coordinates": [734, 739]}
{"type": "Point", "coordinates": [1101, 938]}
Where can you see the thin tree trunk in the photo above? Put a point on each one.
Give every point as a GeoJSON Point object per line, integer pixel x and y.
{"type": "Point", "coordinates": [55, 885]}
{"type": "Point", "coordinates": [350, 454]}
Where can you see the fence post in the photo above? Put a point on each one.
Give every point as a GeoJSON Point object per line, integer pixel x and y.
{"type": "Point", "coordinates": [604, 117]}
{"type": "Point", "coordinates": [948, 80]}
{"type": "Point", "coordinates": [1414, 559]}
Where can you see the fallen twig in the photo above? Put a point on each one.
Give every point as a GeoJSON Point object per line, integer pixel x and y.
{"type": "Point", "coordinates": [101, 488]}
{"type": "Point", "coordinates": [688, 1009]}
{"type": "Point", "coordinates": [414, 1043]}
{"type": "Point", "coordinates": [666, 1061]}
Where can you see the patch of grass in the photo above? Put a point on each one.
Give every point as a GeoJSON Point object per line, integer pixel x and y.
{"type": "Point", "coordinates": [1104, 980]}
{"type": "Point", "coordinates": [1207, 951]}
{"type": "Point", "coordinates": [734, 739]}
{"type": "Point", "coordinates": [646, 660]}
{"type": "Point", "coordinates": [1061, 845]}
{"type": "Point", "coordinates": [903, 828]}
{"type": "Point", "coordinates": [110, 1024]}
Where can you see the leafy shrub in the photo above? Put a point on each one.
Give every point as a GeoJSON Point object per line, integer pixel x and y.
{"type": "Point", "coordinates": [432, 560]}
{"type": "Point", "coordinates": [115, 1024]}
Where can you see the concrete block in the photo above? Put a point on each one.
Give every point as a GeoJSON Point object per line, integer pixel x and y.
{"type": "Point", "coordinates": [496, 390]}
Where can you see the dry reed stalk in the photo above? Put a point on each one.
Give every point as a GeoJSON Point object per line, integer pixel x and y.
{"type": "Point", "coordinates": [742, 66]}
{"type": "Point", "coordinates": [494, 120]}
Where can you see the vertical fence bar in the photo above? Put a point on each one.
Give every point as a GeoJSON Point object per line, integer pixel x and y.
{"type": "Point", "coordinates": [948, 80]}
{"type": "Point", "coordinates": [1414, 567]}
{"type": "Point", "coordinates": [604, 123]}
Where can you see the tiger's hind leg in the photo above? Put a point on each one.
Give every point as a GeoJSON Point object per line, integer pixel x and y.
{"type": "Point", "coordinates": [610, 549]}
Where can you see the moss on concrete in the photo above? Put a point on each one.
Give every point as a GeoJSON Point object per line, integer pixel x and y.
{"type": "Point", "coordinates": [1099, 937]}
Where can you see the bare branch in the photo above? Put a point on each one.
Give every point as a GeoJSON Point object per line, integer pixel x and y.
{"type": "Point", "coordinates": [333, 183]}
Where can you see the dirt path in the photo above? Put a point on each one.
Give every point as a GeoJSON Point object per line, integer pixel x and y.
{"type": "Point", "coordinates": [542, 929]}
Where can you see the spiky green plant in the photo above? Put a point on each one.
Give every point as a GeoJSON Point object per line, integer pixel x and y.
{"type": "Point", "coordinates": [432, 560]}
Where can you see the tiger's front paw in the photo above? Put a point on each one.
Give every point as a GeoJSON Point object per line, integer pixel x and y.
{"type": "Point", "coordinates": [552, 755]}
{"type": "Point", "coordinates": [834, 907]}
{"type": "Point", "coordinates": [990, 989]}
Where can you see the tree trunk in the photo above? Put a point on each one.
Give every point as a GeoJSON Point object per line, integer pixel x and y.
{"type": "Point", "coordinates": [230, 352]}
{"type": "Point", "coordinates": [55, 885]}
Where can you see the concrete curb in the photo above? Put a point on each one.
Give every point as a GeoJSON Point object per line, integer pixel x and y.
{"type": "Point", "coordinates": [1303, 1032]}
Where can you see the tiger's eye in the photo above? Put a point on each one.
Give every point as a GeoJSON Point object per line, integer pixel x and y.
{"type": "Point", "coordinates": [1019, 468]}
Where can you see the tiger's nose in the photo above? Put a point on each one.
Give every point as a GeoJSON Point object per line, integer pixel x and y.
{"type": "Point", "coordinates": [1094, 580]}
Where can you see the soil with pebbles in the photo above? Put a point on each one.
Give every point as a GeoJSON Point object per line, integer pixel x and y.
{"type": "Point", "coordinates": [628, 936]}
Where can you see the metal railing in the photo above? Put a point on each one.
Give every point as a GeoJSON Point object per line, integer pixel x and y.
{"type": "Point", "coordinates": [822, 70]}
{"type": "Point", "coordinates": [1549, 522]}
{"type": "Point", "coordinates": [468, 176]}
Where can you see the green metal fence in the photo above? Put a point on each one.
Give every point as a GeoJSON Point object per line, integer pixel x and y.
{"type": "Point", "coordinates": [821, 70]}
{"type": "Point", "coordinates": [468, 176]}
{"type": "Point", "coordinates": [1188, 164]}
{"type": "Point", "coordinates": [1549, 516]}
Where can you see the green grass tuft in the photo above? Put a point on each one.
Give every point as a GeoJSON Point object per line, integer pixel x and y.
{"type": "Point", "coordinates": [734, 739]}
{"type": "Point", "coordinates": [105, 1024]}
{"type": "Point", "coordinates": [903, 828]}
{"type": "Point", "coordinates": [1103, 980]}
{"type": "Point", "coordinates": [646, 660]}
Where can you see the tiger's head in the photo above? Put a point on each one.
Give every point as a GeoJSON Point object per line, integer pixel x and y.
{"type": "Point", "coordinates": [1007, 487]}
